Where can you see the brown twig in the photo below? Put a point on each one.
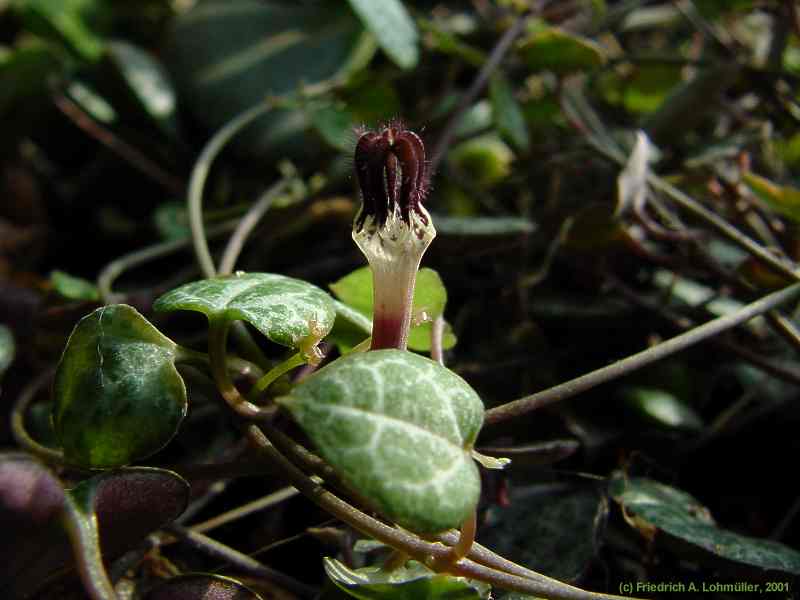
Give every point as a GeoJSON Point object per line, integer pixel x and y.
{"type": "Point", "coordinates": [127, 152]}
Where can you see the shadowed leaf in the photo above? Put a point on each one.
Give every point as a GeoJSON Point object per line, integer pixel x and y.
{"type": "Point", "coordinates": [201, 586]}
{"type": "Point", "coordinates": [118, 396]}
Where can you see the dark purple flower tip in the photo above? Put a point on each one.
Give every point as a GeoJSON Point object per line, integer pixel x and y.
{"type": "Point", "coordinates": [392, 171]}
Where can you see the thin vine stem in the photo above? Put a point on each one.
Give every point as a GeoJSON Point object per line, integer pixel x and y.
{"type": "Point", "coordinates": [264, 382]}
{"type": "Point", "coordinates": [246, 225]}
{"type": "Point", "coordinates": [215, 549]}
{"type": "Point", "coordinates": [636, 361]}
{"type": "Point", "coordinates": [217, 344]}
{"type": "Point", "coordinates": [198, 180]}
{"type": "Point", "coordinates": [18, 411]}
{"type": "Point", "coordinates": [418, 549]}
{"type": "Point", "coordinates": [111, 272]}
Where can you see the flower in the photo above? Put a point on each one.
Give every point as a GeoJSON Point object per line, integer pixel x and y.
{"type": "Point", "coordinates": [392, 228]}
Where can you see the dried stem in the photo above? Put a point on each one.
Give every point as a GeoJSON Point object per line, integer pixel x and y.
{"type": "Point", "coordinates": [637, 361]}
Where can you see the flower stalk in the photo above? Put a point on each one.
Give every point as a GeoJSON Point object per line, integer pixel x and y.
{"type": "Point", "coordinates": [392, 228]}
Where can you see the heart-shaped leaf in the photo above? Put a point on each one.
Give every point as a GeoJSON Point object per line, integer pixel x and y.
{"type": "Point", "coordinates": [393, 27]}
{"type": "Point", "coordinates": [430, 297]}
{"type": "Point", "coordinates": [288, 311]}
{"type": "Point", "coordinates": [118, 396]}
{"type": "Point", "coordinates": [202, 586]}
{"type": "Point", "coordinates": [408, 582]}
{"type": "Point", "coordinates": [654, 508]}
{"type": "Point", "coordinates": [399, 428]}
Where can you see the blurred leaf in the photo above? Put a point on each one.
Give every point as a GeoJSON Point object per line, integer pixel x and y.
{"type": "Point", "coordinates": [147, 82]}
{"type": "Point", "coordinates": [594, 227]}
{"type": "Point", "coordinates": [229, 56]}
{"type": "Point", "coordinates": [24, 72]}
{"type": "Point", "coordinates": [507, 113]}
{"type": "Point", "coordinates": [410, 582]}
{"type": "Point", "coordinates": [782, 199]}
{"type": "Point", "coordinates": [662, 408]}
{"type": "Point", "coordinates": [66, 21]}
{"type": "Point", "coordinates": [118, 396]}
{"type": "Point", "coordinates": [171, 220]}
{"type": "Point", "coordinates": [449, 43]}
{"type": "Point", "coordinates": [643, 89]}
{"type": "Point", "coordinates": [657, 509]}
{"type": "Point", "coordinates": [398, 428]}
{"type": "Point", "coordinates": [334, 123]}
{"type": "Point", "coordinates": [553, 49]}
{"type": "Point", "coordinates": [632, 181]}
{"type": "Point", "coordinates": [689, 103]}
{"type": "Point", "coordinates": [288, 311]}
{"type": "Point", "coordinates": [8, 348]}
{"type": "Point", "coordinates": [92, 102]}
{"type": "Point", "coordinates": [486, 159]}
{"type": "Point", "coordinates": [197, 586]}
{"type": "Point", "coordinates": [430, 298]}
{"type": "Point", "coordinates": [393, 27]}
{"type": "Point", "coordinates": [74, 288]}
{"type": "Point", "coordinates": [33, 543]}
{"type": "Point", "coordinates": [551, 529]}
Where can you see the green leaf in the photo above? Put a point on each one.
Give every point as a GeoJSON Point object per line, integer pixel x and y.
{"type": "Point", "coordinates": [65, 20]}
{"type": "Point", "coordinates": [410, 582]}
{"type": "Point", "coordinates": [147, 83]}
{"type": "Point", "coordinates": [485, 159]}
{"type": "Point", "coordinates": [782, 199]}
{"type": "Point", "coordinates": [118, 397]}
{"type": "Point", "coordinates": [553, 529]}
{"type": "Point", "coordinates": [227, 57]}
{"type": "Point", "coordinates": [657, 509]}
{"type": "Point", "coordinates": [334, 123]}
{"type": "Point", "coordinates": [399, 428]}
{"type": "Point", "coordinates": [171, 220]}
{"type": "Point", "coordinates": [92, 102]}
{"type": "Point", "coordinates": [662, 408]}
{"type": "Point", "coordinates": [194, 586]}
{"type": "Point", "coordinates": [430, 298]}
{"type": "Point", "coordinates": [507, 113]}
{"type": "Point", "coordinates": [553, 49]}
{"type": "Point", "coordinates": [24, 72]}
{"type": "Point", "coordinates": [288, 311]}
{"type": "Point", "coordinates": [74, 288]}
{"type": "Point", "coordinates": [8, 348]}
{"type": "Point", "coordinates": [393, 27]}
{"type": "Point", "coordinates": [482, 226]}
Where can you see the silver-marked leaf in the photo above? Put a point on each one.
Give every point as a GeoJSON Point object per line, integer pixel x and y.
{"type": "Point", "coordinates": [408, 582]}
{"type": "Point", "coordinates": [657, 509]}
{"type": "Point", "coordinates": [117, 394]}
{"type": "Point", "coordinates": [393, 27]}
{"type": "Point", "coordinates": [399, 429]}
{"type": "Point", "coordinates": [288, 311]}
